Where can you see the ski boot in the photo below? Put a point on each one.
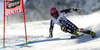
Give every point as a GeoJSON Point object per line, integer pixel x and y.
{"type": "Point", "coordinates": [89, 32]}
{"type": "Point", "coordinates": [92, 34]}
{"type": "Point", "coordinates": [75, 34]}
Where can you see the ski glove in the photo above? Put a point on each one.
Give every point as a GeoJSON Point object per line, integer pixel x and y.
{"type": "Point", "coordinates": [50, 35]}
{"type": "Point", "coordinates": [78, 9]}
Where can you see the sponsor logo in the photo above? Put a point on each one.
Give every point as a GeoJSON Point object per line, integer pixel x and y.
{"type": "Point", "coordinates": [12, 4]}
{"type": "Point", "coordinates": [14, 11]}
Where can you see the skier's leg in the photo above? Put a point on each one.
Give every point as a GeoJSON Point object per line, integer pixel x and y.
{"type": "Point", "coordinates": [71, 31]}
{"type": "Point", "coordinates": [67, 29]}
{"type": "Point", "coordinates": [86, 32]}
{"type": "Point", "coordinates": [82, 30]}
{"type": "Point", "coordinates": [70, 27]}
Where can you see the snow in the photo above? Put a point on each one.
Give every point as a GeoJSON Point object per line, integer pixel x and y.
{"type": "Point", "coordinates": [35, 13]}
{"type": "Point", "coordinates": [38, 32]}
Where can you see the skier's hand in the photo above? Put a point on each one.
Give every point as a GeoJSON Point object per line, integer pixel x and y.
{"type": "Point", "coordinates": [50, 34]}
{"type": "Point", "coordinates": [77, 9]}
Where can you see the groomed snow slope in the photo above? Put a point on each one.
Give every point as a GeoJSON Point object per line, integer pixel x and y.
{"type": "Point", "coordinates": [39, 30]}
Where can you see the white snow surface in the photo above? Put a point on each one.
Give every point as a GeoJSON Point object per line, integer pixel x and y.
{"type": "Point", "coordinates": [38, 32]}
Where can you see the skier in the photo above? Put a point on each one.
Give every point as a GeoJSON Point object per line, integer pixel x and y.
{"type": "Point", "coordinates": [65, 24]}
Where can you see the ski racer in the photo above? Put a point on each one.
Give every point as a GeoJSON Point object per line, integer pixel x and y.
{"type": "Point", "coordinates": [65, 24]}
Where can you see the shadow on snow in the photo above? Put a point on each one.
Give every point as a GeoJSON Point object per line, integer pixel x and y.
{"type": "Point", "coordinates": [46, 40]}
{"type": "Point", "coordinates": [83, 39]}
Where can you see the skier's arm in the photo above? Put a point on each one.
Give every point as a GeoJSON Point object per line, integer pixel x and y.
{"type": "Point", "coordinates": [69, 10]}
{"type": "Point", "coordinates": [51, 26]}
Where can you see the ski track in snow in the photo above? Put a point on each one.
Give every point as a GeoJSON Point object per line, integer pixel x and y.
{"type": "Point", "coordinates": [38, 32]}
